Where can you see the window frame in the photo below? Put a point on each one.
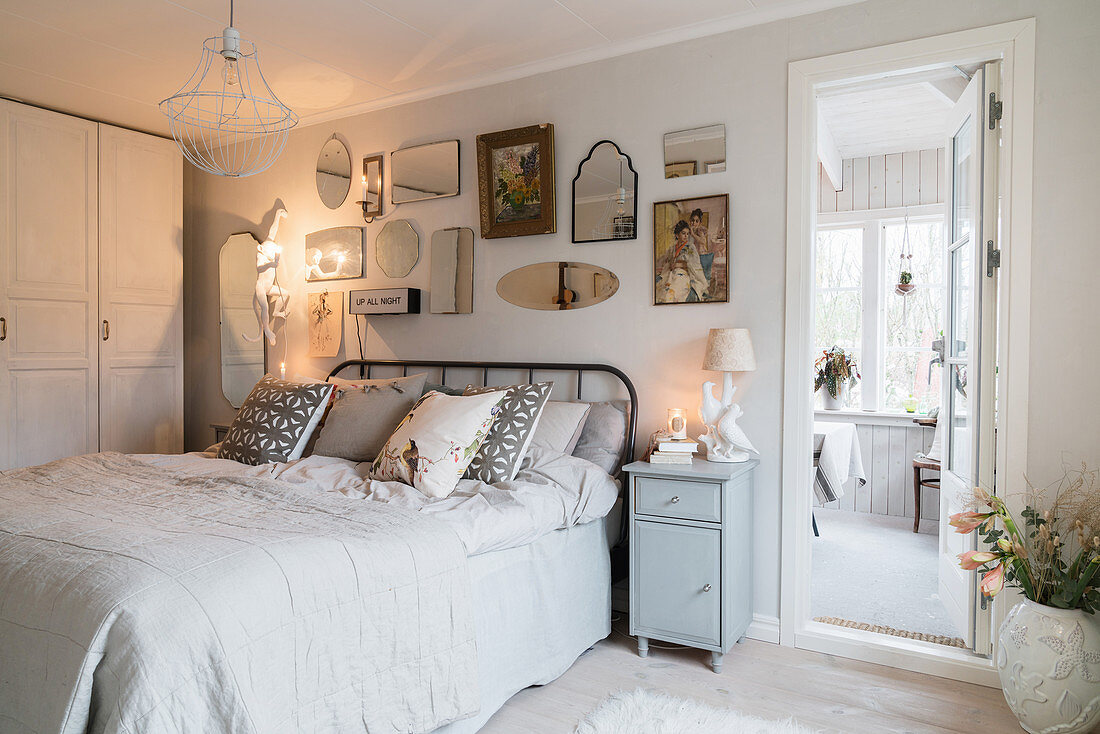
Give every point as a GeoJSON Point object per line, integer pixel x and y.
{"type": "Point", "coordinates": [874, 280]}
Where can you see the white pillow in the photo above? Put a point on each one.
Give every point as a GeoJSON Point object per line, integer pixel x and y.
{"type": "Point", "coordinates": [431, 448]}
{"type": "Point", "coordinates": [559, 427]}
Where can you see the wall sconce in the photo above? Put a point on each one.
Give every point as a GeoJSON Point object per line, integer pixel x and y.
{"type": "Point", "coordinates": [372, 188]}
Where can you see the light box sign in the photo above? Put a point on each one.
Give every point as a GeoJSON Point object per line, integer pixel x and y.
{"type": "Point", "coordinates": [384, 301]}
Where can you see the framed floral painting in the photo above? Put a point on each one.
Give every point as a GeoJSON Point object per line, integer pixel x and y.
{"type": "Point", "coordinates": [515, 173]}
{"type": "Point", "coordinates": [691, 250]}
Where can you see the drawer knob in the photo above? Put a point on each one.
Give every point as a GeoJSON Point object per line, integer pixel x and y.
{"type": "Point", "coordinates": [706, 587]}
{"type": "Point", "coordinates": [675, 499]}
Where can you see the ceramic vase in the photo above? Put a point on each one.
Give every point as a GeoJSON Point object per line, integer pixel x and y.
{"type": "Point", "coordinates": [1049, 663]}
{"type": "Point", "coordinates": [837, 403]}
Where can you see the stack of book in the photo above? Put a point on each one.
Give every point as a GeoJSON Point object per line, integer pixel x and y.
{"type": "Point", "coordinates": [673, 451]}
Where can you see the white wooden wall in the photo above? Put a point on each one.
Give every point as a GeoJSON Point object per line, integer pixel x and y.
{"type": "Point", "coordinates": [888, 452]}
{"type": "Point", "coordinates": [885, 181]}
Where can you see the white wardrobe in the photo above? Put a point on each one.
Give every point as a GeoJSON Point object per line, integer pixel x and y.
{"type": "Point", "coordinates": [91, 289]}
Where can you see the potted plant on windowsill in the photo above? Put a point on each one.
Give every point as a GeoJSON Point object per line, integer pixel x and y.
{"type": "Point", "coordinates": [836, 370]}
{"type": "Point", "coordinates": [1048, 654]}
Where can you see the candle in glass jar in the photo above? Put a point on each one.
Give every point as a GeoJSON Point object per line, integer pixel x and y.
{"type": "Point", "coordinates": [282, 370]}
{"type": "Point", "coordinates": [677, 422]}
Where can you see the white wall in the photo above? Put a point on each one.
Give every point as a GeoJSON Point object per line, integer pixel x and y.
{"type": "Point", "coordinates": [739, 79]}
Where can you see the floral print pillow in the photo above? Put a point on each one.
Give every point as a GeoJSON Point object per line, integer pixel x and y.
{"type": "Point", "coordinates": [431, 448]}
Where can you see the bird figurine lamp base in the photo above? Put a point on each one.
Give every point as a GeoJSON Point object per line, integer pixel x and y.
{"type": "Point", "coordinates": [724, 439]}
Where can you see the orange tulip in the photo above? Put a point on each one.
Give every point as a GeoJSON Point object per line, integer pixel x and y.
{"type": "Point", "coordinates": [994, 581]}
{"type": "Point", "coordinates": [972, 560]}
{"type": "Point", "coordinates": [965, 522]}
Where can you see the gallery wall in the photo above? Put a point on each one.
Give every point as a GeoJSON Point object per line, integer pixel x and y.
{"type": "Point", "coordinates": [740, 79]}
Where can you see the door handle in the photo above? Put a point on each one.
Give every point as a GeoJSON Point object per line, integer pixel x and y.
{"type": "Point", "coordinates": [3, 328]}
{"type": "Point", "coordinates": [675, 499]}
{"type": "Point", "coordinates": [106, 329]}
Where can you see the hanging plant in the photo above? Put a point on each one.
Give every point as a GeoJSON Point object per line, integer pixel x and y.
{"type": "Point", "coordinates": [905, 283]}
{"type": "Point", "coordinates": [905, 274]}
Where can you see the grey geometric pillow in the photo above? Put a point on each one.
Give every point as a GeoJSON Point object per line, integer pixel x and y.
{"type": "Point", "coordinates": [501, 453]}
{"type": "Point", "coordinates": [275, 422]}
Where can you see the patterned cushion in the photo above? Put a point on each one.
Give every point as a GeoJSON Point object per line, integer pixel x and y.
{"type": "Point", "coordinates": [436, 441]}
{"type": "Point", "coordinates": [500, 455]}
{"type": "Point", "coordinates": [275, 422]}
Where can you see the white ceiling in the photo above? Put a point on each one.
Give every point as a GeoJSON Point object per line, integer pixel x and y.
{"type": "Point", "coordinates": [113, 60]}
{"type": "Point", "coordinates": [892, 115]}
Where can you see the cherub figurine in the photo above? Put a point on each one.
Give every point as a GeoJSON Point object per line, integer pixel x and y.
{"type": "Point", "coordinates": [267, 265]}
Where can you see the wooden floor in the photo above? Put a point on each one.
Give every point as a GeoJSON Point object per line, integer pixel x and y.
{"type": "Point", "coordinates": [835, 694]}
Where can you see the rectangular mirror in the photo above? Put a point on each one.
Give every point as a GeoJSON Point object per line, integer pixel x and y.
{"type": "Point", "coordinates": [696, 151]}
{"type": "Point", "coordinates": [372, 186]}
{"type": "Point", "coordinates": [424, 172]}
{"type": "Point", "coordinates": [242, 360]}
{"type": "Point", "coordinates": [453, 271]}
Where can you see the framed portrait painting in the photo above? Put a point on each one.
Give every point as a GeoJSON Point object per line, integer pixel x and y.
{"type": "Point", "coordinates": [515, 174]}
{"type": "Point", "coordinates": [691, 250]}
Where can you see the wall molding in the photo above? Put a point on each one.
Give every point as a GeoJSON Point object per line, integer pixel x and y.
{"type": "Point", "coordinates": [764, 628]}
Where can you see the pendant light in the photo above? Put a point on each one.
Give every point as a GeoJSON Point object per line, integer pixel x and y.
{"type": "Point", "coordinates": [225, 119]}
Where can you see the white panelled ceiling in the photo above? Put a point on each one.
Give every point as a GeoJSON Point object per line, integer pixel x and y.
{"type": "Point", "coordinates": [113, 60]}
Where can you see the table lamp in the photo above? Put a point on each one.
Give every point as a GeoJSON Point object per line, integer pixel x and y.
{"type": "Point", "coordinates": [728, 351]}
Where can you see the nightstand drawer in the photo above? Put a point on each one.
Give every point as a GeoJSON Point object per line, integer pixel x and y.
{"type": "Point", "coordinates": [677, 582]}
{"type": "Point", "coordinates": [678, 498]}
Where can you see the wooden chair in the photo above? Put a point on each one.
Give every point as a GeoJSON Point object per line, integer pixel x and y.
{"type": "Point", "coordinates": [921, 463]}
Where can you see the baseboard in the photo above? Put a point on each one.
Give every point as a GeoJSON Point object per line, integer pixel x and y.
{"type": "Point", "coordinates": [764, 628]}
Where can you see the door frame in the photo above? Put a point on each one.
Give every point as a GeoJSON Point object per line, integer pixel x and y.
{"type": "Point", "coordinates": [1014, 44]}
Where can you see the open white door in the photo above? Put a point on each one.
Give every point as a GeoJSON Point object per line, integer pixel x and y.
{"type": "Point", "coordinates": [969, 334]}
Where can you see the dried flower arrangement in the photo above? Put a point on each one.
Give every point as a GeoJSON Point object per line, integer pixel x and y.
{"type": "Point", "coordinates": [1053, 555]}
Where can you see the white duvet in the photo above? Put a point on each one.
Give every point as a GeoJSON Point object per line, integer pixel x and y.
{"type": "Point", "coordinates": [551, 491]}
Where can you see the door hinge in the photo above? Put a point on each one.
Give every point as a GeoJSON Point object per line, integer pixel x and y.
{"type": "Point", "coordinates": [996, 110]}
{"type": "Point", "coordinates": [992, 258]}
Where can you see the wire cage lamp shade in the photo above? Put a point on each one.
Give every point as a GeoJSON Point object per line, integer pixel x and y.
{"type": "Point", "coordinates": [225, 119]}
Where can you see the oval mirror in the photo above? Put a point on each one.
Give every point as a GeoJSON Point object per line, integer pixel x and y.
{"type": "Point", "coordinates": [605, 205]}
{"type": "Point", "coordinates": [557, 286]}
{"type": "Point", "coordinates": [242, 360]}
{"type": "Point", "coordinates": [397, 248]}
{"type": "Point", "coordinates": [333, 173]}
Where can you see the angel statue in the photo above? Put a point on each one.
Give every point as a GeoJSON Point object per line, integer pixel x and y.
{"type": "Point", "coordinates": [724, 439]}
{"type": "Point", "coordinates": [267, 286]}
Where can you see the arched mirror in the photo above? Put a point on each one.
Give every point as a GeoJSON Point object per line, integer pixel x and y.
{"type": "Point", "coordinates": [242, 360]}
{"type": "Point", "coordinates": [333, 173]}
{"type": "Point", "coordinates": [605, 196]}
{"type": "Point", "coordinates": [557, 286]}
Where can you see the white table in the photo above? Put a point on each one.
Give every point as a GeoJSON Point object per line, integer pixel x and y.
{"type": "Point", "coordinates": [837, 459]}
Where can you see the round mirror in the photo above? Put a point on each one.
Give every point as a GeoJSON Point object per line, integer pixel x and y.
{"type": "Point", "coordinates": [333, 173]}
{"type": "Point", "coordinates": [397, 248]}
{"type": "Point", "coordinates": [557, 286]}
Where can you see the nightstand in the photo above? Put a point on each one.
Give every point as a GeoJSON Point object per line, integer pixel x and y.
{"type": "Point", "coordinates": [220, 429]}
{"type": "Point", "coordinates": [691, 554]}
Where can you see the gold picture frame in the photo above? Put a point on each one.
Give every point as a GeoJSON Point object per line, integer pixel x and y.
{"type": "Point", "coordinates": [515, 176]}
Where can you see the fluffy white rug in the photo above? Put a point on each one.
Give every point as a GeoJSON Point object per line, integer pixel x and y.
{"type": "Point", "coordinates": [649, 712]}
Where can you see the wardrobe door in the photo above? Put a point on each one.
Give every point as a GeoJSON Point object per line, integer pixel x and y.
{"type": "Point", "coordinates": [140, 293]}
{"type": "Point", "coordinates": [48, 286]}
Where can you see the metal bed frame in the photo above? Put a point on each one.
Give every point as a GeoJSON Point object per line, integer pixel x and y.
{"type": "Point", "coordinates": [366, 367]}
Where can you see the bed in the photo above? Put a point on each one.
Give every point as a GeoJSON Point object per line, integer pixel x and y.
{"type": "Point", "coordinates": [166, 593]}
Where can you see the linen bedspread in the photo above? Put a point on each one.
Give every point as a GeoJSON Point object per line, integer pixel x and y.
{"type": "Point", "coordinates": [137, 599]}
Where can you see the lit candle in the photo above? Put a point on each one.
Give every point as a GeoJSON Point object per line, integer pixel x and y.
{"type": "Point", "coordinates": [364, 191]}
{"type": "Point", "coordinates": [282, 370]}
{"type": "Point", "coordinates": [677, 422]}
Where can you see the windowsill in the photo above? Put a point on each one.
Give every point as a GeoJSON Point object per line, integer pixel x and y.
{"type": "Point", "coordinates": [876, 416]}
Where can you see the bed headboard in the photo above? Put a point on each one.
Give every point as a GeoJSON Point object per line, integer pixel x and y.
{"type": "Point", "coordinates": [365, 367]}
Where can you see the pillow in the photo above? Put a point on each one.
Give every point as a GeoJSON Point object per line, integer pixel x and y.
{"type": "Point", "coordinates": [364, 414]}
{"type": "Point", "coordinates": [500, 454]}
{"type": "Point", "coordinates": [604, 435]}
{"type": "Point", "coordinates": [275, 422]}
{"type": "Point", "coordinates": [560, 426]}
{"type": "Point", "coordinates": [436, 441]}
{"type": "Point", "coordinates": [430, 386]}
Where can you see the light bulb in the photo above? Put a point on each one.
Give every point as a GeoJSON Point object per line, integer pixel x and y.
{"type": "Point", "coordinates": [229, 72]}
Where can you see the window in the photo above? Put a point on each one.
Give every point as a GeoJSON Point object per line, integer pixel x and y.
{"type": "Point", "coordinates": [856, 307]}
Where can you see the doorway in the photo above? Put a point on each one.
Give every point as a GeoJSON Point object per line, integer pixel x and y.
{"type": "Point", "coordinates": [944, 237]}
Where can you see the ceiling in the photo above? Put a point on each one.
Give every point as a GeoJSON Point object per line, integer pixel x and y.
{"type": "Point", "coordinates": [891, 115]}
{"type": "Point", "coordinates": [113, 60]}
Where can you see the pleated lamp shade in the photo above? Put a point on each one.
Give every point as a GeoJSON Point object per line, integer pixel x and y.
{"type": "Point", "coordinates": [729, 350]}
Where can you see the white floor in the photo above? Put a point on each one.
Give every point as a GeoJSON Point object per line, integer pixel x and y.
{"type": "Point", "coordinates": [875, 569]}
